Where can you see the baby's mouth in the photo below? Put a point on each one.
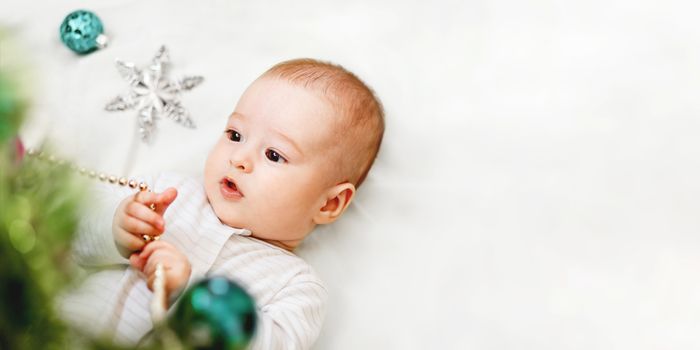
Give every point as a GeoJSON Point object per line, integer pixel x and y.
{"type": "Point", "coordinates": [229, 187]}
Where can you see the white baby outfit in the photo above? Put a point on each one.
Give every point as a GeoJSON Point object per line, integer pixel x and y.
{"type": "Point", "coordinates": [114, 299]}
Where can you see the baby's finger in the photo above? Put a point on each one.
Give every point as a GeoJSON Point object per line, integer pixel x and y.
{"type": "Point", "coordinates": [145, 197]}
{"type": "Point", "coordinates": [130, 241]}
{"type": "Point", "coordinates": [165, 199]}
{"type": "Point", "coordinates": [136, 261]}
{"type": "Point", "coordinates": [139, 227]}
{"type": "Point", "coordinates": [144, 213]}
{"type": "Point", "coordinates": [150, 248]}
{"type": "Point", "coordinates": [151, 279]}
{"type": "Point", "coordinates": [161, 256]}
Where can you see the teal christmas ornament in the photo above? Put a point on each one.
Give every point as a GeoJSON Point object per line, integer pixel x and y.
{"type": "Point", "coordinates": [82, 32]}
{"type": "Point", "coordinates": [215, 314]}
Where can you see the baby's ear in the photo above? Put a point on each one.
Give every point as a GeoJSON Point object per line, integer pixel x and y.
{"type": "Point", "coordinates": [337, 199]}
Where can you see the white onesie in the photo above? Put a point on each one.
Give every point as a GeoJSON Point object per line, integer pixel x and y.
{"type": "Point", "coordinates": [114, 299]}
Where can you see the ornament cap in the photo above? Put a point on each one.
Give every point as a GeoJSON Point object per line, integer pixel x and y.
{"type": "Point", "coordinates": [102, 41]}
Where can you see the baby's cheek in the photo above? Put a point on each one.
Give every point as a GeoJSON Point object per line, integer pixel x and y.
{"type": "Point", "coordinates": [291, 208]}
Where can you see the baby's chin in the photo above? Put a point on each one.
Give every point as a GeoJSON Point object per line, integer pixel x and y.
{"type": "Point", "coordinates": [229, 220]}
{"type": "Point", "coordinates": [226, 216]}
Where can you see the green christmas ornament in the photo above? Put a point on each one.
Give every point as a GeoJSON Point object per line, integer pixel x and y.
{"type": "Point", "coordinates": [82, 32]}
{"type": "Point", "coordinates": [215, 314]}
{"type": "Point", "coordinates": [11, 109]}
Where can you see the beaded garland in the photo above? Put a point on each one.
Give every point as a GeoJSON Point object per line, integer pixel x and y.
{"type": "Point", "coordinates": [122, 181]}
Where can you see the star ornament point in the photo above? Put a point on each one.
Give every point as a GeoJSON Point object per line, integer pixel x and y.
{"type": "Point", "coordinates": [152, 94]}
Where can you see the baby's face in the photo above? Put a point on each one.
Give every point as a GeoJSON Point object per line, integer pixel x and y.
{"type": "Point", "coordinates": [268, 172]}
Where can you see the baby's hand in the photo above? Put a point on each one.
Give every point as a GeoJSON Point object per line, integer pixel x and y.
{"type": "Point", "coordinates": [134, 218]}
{"type": "Point", "coordinates": [176, 267]}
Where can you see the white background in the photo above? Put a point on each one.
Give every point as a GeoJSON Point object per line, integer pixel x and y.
{"type": "Point", "coordinates": [537, 187]}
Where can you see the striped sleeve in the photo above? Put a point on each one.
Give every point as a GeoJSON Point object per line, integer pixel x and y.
{"type": "Point", "coordinates": [293, 319]}
{"type": "Point", "coordinates": [94, 245]}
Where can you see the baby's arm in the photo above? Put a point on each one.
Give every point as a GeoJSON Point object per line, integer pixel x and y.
{"type": "Point", "coordinates": [93, 245]}
{"type": "Point", "coordinates": [293, 319]}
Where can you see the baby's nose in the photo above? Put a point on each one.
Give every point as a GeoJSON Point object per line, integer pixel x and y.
{"type": "Point", "coordinates": [241, 163]}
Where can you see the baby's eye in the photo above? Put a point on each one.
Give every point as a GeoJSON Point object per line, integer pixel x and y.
{"type": "Point", "coordinates": [274, 156]}
{"type": "Point", "coordinates": [233, 135]}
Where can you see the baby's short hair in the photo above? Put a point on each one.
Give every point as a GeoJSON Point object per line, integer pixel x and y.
{"type": "Point", "coordinates": [361, 122]}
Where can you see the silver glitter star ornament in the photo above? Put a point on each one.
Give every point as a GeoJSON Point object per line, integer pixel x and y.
{"type": "Point", "coordinates": [153, 95]}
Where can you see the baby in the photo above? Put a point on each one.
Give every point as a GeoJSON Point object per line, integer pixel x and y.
{"type": "Point", "coordinates": [297, 146]}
